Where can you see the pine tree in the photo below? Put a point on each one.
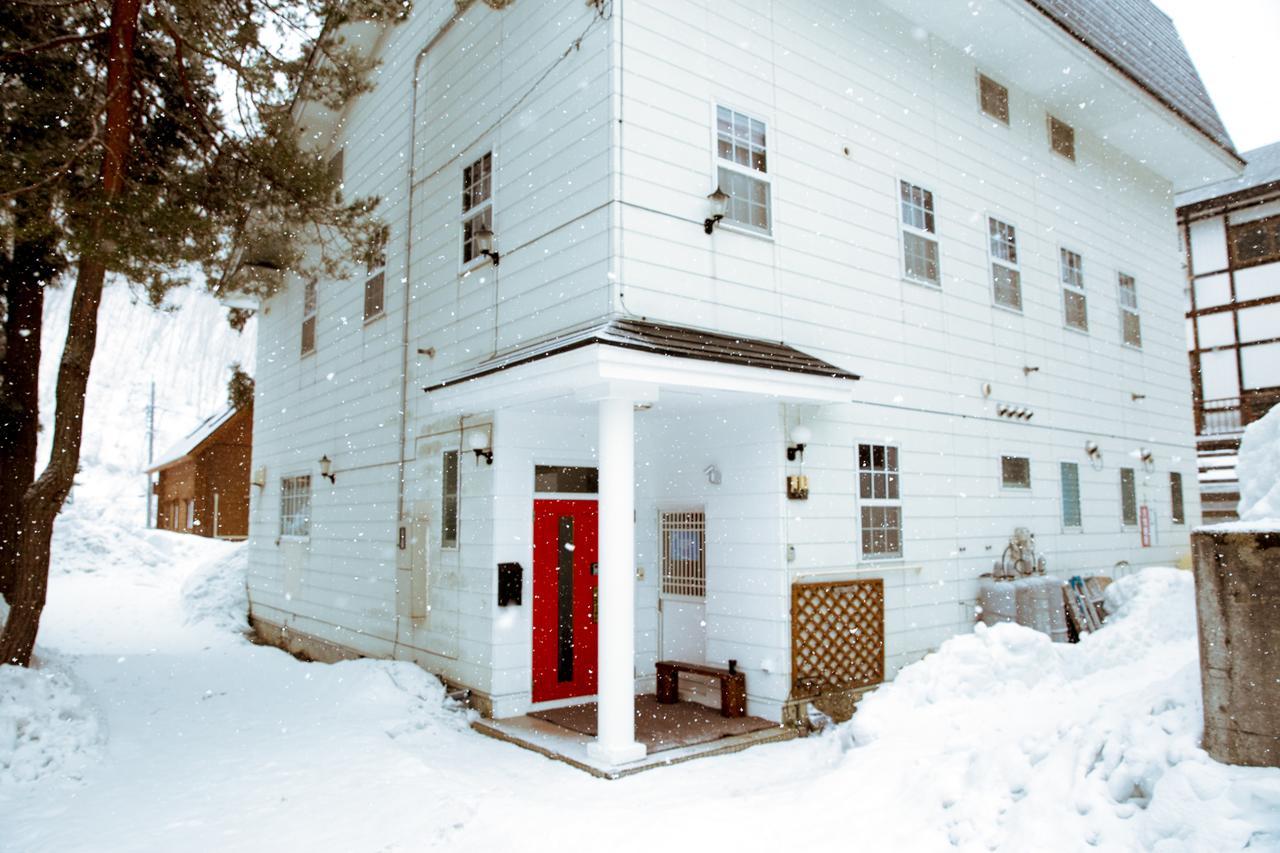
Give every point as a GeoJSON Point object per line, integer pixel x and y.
{"type": "Point", "coordinates": [121, 160]}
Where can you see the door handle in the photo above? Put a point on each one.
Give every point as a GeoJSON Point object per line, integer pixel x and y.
{"type": "Point", "coordinates": [595, 604]}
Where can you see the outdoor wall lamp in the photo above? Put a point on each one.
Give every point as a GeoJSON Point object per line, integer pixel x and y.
{"type": "Point", "coordinates": [1148, 459]}
{"type": "Point", "coordinates": [801, 435]}
{"type": "Point", "coordinates": [719, 201]}
{"type": "Point", "coordinates": [484, 243]}
{"type": "Point", "coordinates": [326, 469]}
{"type": "Point", "coordinates": [480, 445]}
{"type": "Point", "coordinates": [1027, 370]}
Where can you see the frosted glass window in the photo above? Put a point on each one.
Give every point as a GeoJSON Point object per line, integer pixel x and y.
{"type": "Point", "coordinates": [1260, 323]}
{"type": "Point", "coordinates": [1070, 472]}
{"type": "Point", "coordinates": [1213, 290]}
{"type": "Point", "coordinates": [1216, 330]}
{"type": "Point", "coordinates": [1208, 246]}
{"type": "Point", "coordinates": [1219, 377]}
{"type": "Point", "coordinates": [1258, 282]}
{"type": "Point", "coordinates": [1261, 366]}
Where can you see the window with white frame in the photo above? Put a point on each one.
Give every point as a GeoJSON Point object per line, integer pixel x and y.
{"type": "Point", "coordinates": [880, 500]}
{"type": "Point", "coordinates": [1128, 497]}
{"type": "Point", "coordinates": [919, 234]}
{"type": "Point", "coordinates": [742, 169]}
{"type": "Point", "coordinates": [993, 98]}
{"type": "Point", "coordinates": [1006, 277]}
{"type": "Point", "coordinates": [309, 317]}
{"type": "Point", "coordinates": [1015, 472]}
{"type": "Point", "coordinates": [295, 506]}
{"type": "Point", "coordinates": [1070, 476]}
{"type": "Point", "coordinates": [477, 206]}
{"type": "Point", "coordinates": [684, 553]}
{"type": "Point", "coordinates": [1130, 324]}
{"type": "Point", "coordinates": [1177, 510]}
{"type": "Point", "coordinates": [375, 264]}
{"type": "Point", "coordinates": [449, 500]}
{"type": "Point", "coordinates": [1074, 307]}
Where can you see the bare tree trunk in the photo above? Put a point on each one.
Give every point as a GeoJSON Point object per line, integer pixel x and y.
{"type": "Point", "coordinates": [33, 264]}
{"type": "Point", "coordinates": [44, 498]}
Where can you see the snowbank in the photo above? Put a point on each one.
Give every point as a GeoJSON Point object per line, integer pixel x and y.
{"type": "Point", "coordinates": [215, 592]}
{"type": "Point", "coordinates": [1030, 742]}
{"type": "Point", "coordinates": [1258, 468]}
{"type": "Point", "coordinates": [46, 725]}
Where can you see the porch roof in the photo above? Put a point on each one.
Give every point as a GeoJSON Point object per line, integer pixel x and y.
{"type": "Point", "coordinates": [660, 339]}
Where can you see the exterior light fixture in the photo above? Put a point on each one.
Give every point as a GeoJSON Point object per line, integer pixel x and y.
{"type": "Point", "coordinates": [801, 435]}
{"type": "Point", "coordinates": [718, 200]}
{"type": "Point", "coordinates": [1135, 396]}
{"type": "Point", "coordinates": [479, 443]}
{"type": "Point", "coordinates": [1148, 459]}
{"type": "Point", "coordinates": [1028, 369]}
{"type": "Point", "coordinates": [326, 469]}
{"type": "Point", "coordinates": [484, 243]}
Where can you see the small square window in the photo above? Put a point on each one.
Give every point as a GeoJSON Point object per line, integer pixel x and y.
{"type": "Point", "coordinates": [1015, 472]}
{"type": "Point", "coordinates": [1062, 138]}
{"type": "Point", "coordinates": [994, 98]}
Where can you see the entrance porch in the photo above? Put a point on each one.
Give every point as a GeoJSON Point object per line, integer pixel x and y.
{"type": "Point", "coordinates": [666, 423]}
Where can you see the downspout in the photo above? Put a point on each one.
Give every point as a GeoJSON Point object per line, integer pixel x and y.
{"type": "Point", "coordinates": [401, 533]}
{"type": "Point", "coordinates": [616, 286]}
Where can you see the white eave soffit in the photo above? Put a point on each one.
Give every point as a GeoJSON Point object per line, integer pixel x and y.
{"type": "Point", "coordinates": [1015, 44]}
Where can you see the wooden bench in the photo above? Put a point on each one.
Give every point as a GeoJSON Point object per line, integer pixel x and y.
{"type": "Point", "coordinates": [733, 685]}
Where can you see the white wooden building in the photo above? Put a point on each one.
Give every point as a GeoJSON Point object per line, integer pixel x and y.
{"type": "Point", "coordinates": [948, 267]}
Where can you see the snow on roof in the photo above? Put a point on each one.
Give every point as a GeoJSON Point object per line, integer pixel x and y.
{"type": "Point", "coordinates": [1142, 43]}
{"type": "Point", "coordinates": [192, 440]}
{"type": "Point", "coordinates": [1262, 168]}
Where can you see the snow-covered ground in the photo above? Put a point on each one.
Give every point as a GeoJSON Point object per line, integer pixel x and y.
{"type": "Point", "coordinates": [150, 722]}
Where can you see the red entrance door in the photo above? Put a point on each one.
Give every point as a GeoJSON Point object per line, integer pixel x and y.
{"type": "Point", "coordinates": [564, 599]}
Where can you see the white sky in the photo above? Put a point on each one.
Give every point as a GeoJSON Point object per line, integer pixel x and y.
{"type": "Point", "coordinates": [1235, 45]}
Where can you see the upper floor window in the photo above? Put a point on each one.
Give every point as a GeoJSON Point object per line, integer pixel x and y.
{"type": "Point", "coordinates": [919, 230]}
{"type": "Point", "coordinates": [1256, 242]}
{"type": "Point", "coordinates": [994, 98]}
{"type": "Point", "coordinates": [880, 500]}
{"type": "Point", "coordinates": [1006, 278]}
{"type": "Point", "coordinates": [477, 206]}
{"type": "Point", "coordinates": [1130, 324]}
{"type": "Point", "coordinates": [375, 275]}
{"type": "Point", "coordinates": [742, 169]}
{"type": "Point", "coordinates": [295, 506]}
{"type": "Point", "coordinates": [1074, 307]}
{"type": "Point", "coordinates": [1062, 138]}
{"type": "Point", "coordinates": [309, 317]}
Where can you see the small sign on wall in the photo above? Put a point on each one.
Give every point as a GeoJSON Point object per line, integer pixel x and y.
{"type": "Point", "coordinates": [1144, 524]}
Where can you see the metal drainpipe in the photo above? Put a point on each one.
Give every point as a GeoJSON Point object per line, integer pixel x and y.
{"type": "Point", "coordinates": [460, 8]}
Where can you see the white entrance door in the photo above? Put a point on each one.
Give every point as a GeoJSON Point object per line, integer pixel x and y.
{"type": "Point", "coordinates": [683, 597]}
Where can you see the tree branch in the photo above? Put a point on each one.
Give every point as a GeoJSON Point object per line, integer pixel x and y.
{"type": "Point", "coordinates": [51, 44]}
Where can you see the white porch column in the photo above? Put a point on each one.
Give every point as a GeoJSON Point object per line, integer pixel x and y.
{"type": "Point", "coordinates": [616, 741]}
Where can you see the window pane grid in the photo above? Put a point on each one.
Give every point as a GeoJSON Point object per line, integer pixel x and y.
{"type": "Point", "coordinates": [919, 252]}
{"type": "Point", "coordinates": [295, 506]}
{"type": "Point", "coordinates": [1131, 325]}
{"type": "Point", "coordinates": [740, 139]}
{"type": "Point", "coordinates": [470, 246]}
{"type": "Point", "coordinates": [1008, 286]}
{"type": "Point", "coordinates": [1004, 241]}
{"type": "Point", "coordinates": [879, 491]}
{"type": "Point", "coordinates": [1070, 494]}
{"type": "Point", "coordinates": [477, 183]}
{"type": "Point", "coordinates": [684, 556]}
{"type": "Point", "coordinates": [748, 199]}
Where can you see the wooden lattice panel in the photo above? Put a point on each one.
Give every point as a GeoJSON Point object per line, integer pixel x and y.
{"type": "Point", "coordinates": [837, 635]}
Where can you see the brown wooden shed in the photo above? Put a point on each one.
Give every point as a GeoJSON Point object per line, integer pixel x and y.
{"type": "Point", "coordinates": [202, 483]}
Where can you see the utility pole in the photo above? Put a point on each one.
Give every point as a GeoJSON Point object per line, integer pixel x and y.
{"type": "Point", "coordinates": [151, 446]}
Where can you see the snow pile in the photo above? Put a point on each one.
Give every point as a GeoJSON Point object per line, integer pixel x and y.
{"type": "Point", "coordinates": [1015, 741]}
{"type": "Point", "coordinates": [46, 726]}
{"type": "Point", "coordinates": [215, 592]}
{"type": "Point", "coordinates": [1258, 468]}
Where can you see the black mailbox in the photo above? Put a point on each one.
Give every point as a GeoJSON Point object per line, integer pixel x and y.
{"type": "Point", "coordinates": [510, 583]}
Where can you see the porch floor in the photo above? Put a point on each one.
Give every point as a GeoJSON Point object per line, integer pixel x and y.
{"type": "Point", "coordinates": [671, 733]}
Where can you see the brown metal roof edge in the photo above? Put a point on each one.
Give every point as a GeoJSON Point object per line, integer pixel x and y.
{"type": "Point", "coordinates": [1256, 194]}
{"type": "Point", "coordinates": [596, 336]}
{"type": "Point", "coordinates": [1187, 119]}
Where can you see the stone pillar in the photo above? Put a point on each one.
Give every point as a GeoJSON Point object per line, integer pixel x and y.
{"type": "Point", "coordinates": [616, 695]}
{"type": "Point", "coordinates": [1238, 611]}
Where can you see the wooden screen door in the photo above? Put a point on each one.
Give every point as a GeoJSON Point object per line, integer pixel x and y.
{"type": "Point", "coordinates": [564, 598]}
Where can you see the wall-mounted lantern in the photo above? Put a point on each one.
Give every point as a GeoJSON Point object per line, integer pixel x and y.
{"type": "Point", "coordinates": [718, 205]}
{"type": "Point", "coordinates": [326, 469]}
{"type": "Point", "coordinates": [1148, 459]}
{"type": "Point", "coordinates": [1094, 453]}
{"type": "Point", "coordinates": [484, 243]}
{"type": "Point", "coordinates": [801, 435]}
{"type": "Point", "coordinates": [481, 446]}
